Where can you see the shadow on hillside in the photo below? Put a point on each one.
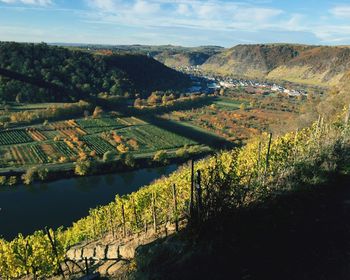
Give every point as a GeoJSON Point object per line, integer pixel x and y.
{"type": "Point", "coordinates": [297, 236]}
{"type": "Point", "coordinates": [197, 135]}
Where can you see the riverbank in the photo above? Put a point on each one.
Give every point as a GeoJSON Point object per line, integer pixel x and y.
{"type": "Point", "coordinates": [58, 171]}
{"type": "Point", "coordinates": [64, 201]}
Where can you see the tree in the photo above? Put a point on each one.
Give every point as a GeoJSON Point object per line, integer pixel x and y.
{"type": "Point", "coordinates": [42, 173]}
{"type": "Point", "coordinates": [122, 148]}
{"type": "Point", "coordinates": [116, 90]}
{"type": "Point", "coordinates": [165, 99]}
{"type": "Point", "coordinates": [29, 176]}
{"type": "Point", "coordinates": [242, 107]}
{"type": "Point", "coordinates": [97, 112]}
{"type": "Point", "coordinates": [133, 144]}
{"type": "Point", "coordinates": [153, 99]}
{"type": "Point", "coordinates": [138, 103]}
{"type": "Point", "coordinates": [109, 156]}
{"type": "Point", "coordinates": [160, 156]}
{"type": "Point", "coordinates": [127, 159]}
{"type": "Point", "coordinates": [83, 167]}
{"type": "Point", "coordinates": [182, 153]}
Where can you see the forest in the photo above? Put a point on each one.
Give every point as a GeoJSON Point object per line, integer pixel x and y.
{"type": "Point", "coordinates": [63, 74]}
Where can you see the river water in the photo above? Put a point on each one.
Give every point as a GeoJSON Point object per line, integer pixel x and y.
{"type": "Point", "coordinates": [25, 209]}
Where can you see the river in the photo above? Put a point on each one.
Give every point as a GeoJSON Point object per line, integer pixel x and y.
{"type": "Point", "coordinates": [25, 209]}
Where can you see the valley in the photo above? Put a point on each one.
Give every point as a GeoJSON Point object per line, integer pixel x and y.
{"type": "Point", "coordinates": [123, 124]}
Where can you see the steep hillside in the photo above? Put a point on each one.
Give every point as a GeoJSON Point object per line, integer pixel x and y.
{"type": "Point", "coordinates": [171, 56]}
{"type": "Point", "coordinates": [317, 65]}
{"type": "Point", "coordinates": [252, 60]}
{"type": "Point", "coordinates": [79, 74]}
{"type": "Point", "coordinates": [187, 57]}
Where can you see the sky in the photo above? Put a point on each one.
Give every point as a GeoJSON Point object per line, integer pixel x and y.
{"type": "Point", "coordinates": [177, 22]}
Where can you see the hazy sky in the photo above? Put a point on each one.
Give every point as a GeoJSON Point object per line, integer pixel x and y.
{"type": "Point", "coordinates": [178, 22]}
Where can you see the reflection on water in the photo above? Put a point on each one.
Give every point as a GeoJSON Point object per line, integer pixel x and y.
{"type": "Point", "coordinates": [28, 208]}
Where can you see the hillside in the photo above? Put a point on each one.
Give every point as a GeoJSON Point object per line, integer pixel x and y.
{"type": "Point", "coordinates": [79, 74]}
{"type": "Point", "coordinates": [171, 56]}
{"type": "Point", "coordinates": [316, 65]}
{"type": "Point", "coordinates": [187, 57]}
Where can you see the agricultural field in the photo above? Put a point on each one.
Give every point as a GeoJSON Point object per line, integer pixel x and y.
{"type": "Point", "coordinates": [238, 119]}
{"type": "Point", "coordinates": [15, 136]}
{"type": "Point", "coordinates": [66, 141]}
{"type": "Point", "coordinates": [149, 138]}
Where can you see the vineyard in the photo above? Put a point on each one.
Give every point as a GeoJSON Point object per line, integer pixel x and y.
{"type": "Point", "coordinates": [10, 137]}
{"type": "Point", "coordinates": [99, 125]}
{"type": "Point", "coordinates": [152, 138]}
{"type": "Point", "coordinates": [97, 144]}
{"type": "Point", "coordinates": [65, 141]}
{"type": "Point", "coordinates": [232, 179]}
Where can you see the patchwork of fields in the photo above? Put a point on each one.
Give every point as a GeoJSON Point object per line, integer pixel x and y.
{"type": "Point", "coordinates": [235, 119]}
{"type": "Point", "coordinates": [66, 141]}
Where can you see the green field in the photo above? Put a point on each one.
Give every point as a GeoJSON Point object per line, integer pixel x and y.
{"type": "Point", "coordinates": [228, 104]}
{"type": "Point", "coordinates": [66, 141]}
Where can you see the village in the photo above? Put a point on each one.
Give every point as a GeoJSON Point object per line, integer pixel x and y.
{"type": "Point", "coordinates": [206, 83]}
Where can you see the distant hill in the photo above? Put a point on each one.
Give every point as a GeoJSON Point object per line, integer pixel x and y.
{"type": "Point", "coordinates": [171, 56]}
{"type": "Point", "coordinates": [304, 64]}
{"type": "Point", "coordinates": [314, 65]}
{"type": "Point", "coordinates": [187, 57]}
{"type": "Point", "coordinates": [79, 74]}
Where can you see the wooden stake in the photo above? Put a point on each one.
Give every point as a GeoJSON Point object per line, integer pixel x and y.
{"type": "Point", "coordinates": [192, 189]}
{"type": "Point", "coordinates": [199, 195]}
{"type": "Point", "coordinates": [347, 116]}
{"type": "Point", "coordinates": [267, 163]}
{"type": "Point", "coordinates": [259, 154]}
{"type": "Point", "coordinates": [135, 213]}
{"type": "Point", "coordinates": [154, 214]}
{"type": "Point", "coordinates": [175, 208]}
{"type": "Point", "coordinates": [54, 249]}
{"type": "Point", "coordinates": [123, 220]}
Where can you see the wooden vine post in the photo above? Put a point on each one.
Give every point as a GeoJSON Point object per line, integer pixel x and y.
{"type": "Point", "coordinates": [267, 163]}
{"type": "Point", "coordinates": [154, 214]}
{"type": "Point", "coordinates": [259, 155]}
{"type": "Point", "coordinates": [123, 220]}
{"type": "Point", "coordinates": [111, 222]}
{"type": "Point", "coordinates": [54, 249]}
{"type": "Point", "coordinates": [192, 189]}
{"type": "Point", "coordinates": [347, 115]}
{"type": "Point", "coordinates": [175, 208]}
{"type": "Point", "coordinates": [199, 195]}
{"type": "Point", "coordinates": [135, 213]}
{"type": "Point", "coordinates": [86, 266]}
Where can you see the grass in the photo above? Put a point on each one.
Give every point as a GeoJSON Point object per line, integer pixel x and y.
{"type": "Point", "coordinates": [225, 103]}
